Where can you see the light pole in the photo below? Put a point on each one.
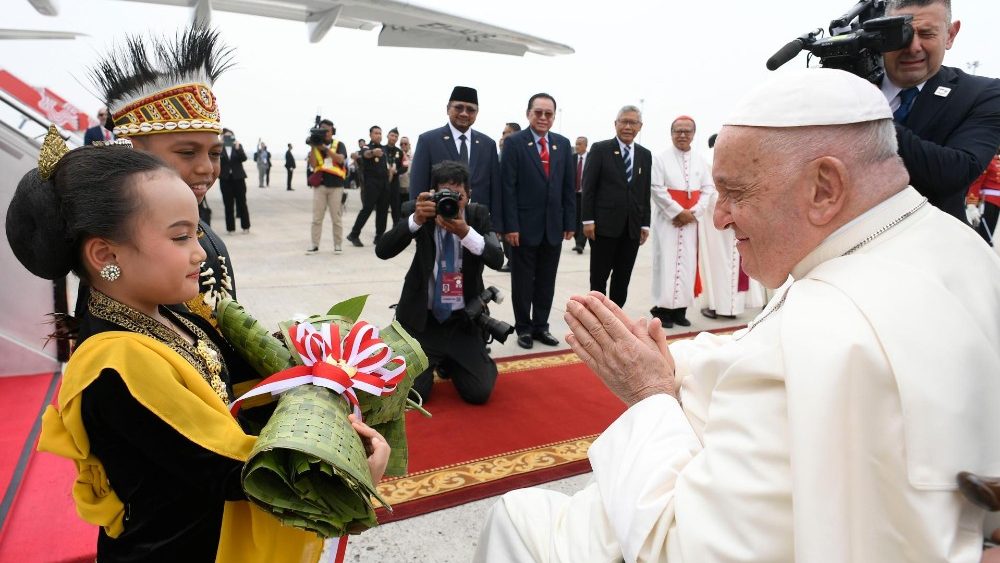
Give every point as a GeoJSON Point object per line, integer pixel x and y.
{"type": "Point", "coordinates": [642, 111]}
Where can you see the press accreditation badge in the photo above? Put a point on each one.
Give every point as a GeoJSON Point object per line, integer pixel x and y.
{"type": "Point", "coordinates": [451, 287]}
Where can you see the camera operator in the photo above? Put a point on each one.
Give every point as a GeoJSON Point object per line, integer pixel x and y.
{"type": "Point", "coordinates": [328, 159]}
{"type": "Point", "coordinates": [947, 121]}
{"type": "Point", "coordinates": [445, 276]}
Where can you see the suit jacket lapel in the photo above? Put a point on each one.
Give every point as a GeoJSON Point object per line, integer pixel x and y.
{"type": "Point", "coordinates": [449, 143]}
{"type": "Point", "coordinates": [928, 103]}
{"type": "Point", "coordinates": [616, 155]}
{"type": "Point", "coordinates": [533, 154]}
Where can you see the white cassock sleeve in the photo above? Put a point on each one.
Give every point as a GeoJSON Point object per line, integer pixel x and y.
{"type": "Point", "coordinates": [658, 190]}
{"type": "Point", "coordinates": [637, 489]}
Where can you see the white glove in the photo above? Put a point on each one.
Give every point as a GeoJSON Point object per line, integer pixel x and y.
{"type": "Point", "coordinates": [973, 215]}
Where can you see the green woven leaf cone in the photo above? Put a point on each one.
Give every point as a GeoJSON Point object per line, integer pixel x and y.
{"type": "Point", "coordinates": [266, 354]}
{"type": "Point", "coordinates": [309, 466]}
{"type": "Point", "coordinates": [394, 433]}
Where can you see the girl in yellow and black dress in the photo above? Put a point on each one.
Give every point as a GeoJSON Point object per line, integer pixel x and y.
{"type": "Point", "coordinates": [142, 410]}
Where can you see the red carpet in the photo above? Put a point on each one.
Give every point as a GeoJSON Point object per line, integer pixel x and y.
{"type": "Point", "coordinates": [21, 399]}
{"type": "Point", "coordinates": [544, 413]}
{"type": "Point", "coordinates": [39, 519]}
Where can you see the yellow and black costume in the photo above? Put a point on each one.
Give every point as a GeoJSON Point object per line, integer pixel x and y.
{"type": "Point", "coordinates": [143, 414]}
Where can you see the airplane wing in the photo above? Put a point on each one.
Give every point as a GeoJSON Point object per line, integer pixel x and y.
{"type": "Point", "coordinates": [38, 34]}
{"type": "Point", "coordinates": [403, 24]}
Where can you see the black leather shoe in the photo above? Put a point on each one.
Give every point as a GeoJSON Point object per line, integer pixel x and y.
{"type": "Point", "coordinates": [545, 338]}
{"type": "Point", "coordinates": [353, 239]}
{"type": "Point", "coordinates": [578, 249]}
{"type": "Point", "coordinates": [663, 315]}
{"type": "Point", "coordinates": [682, 322]}
{"type": "Point", "coordinates": [710, 313]}
{"type": "Point", "coordinates": [525, 341]}
{"type": "Point", "coordinates": [505, 267]}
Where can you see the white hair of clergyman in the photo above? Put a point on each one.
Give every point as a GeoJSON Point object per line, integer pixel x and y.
{"type": "Point", "coordinates": [629, 109]}
{"type": "Point", "coordinates": [857, 144]}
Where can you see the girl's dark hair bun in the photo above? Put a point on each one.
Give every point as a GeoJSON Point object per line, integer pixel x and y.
{"type": "Point", "coordinates": [36, 230]}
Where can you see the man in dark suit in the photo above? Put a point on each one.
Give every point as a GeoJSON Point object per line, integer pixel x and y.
{"type": "Point", "coordinates": [539, 212]}
{"type": "Point", "coordinates": [616, 204]}
{"type": "Point", "coordinates": [947, 121]}
{"type": "Point", "coordinates": [98, 132]}
{"type": "Point", "coordinates": [289, 166]}
{"type": "Point", "coordinates": [446, 275]}
{"type": "Point", "coordinates": [233, 182]}
{"type": "Point", "coordinates": [580, 160]}
{"type": "Point", "coordinates": [374, 168]}
{"type": "Point", "coordinates": [446, 143]}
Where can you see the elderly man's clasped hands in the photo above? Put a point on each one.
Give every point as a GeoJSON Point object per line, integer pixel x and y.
{"type": "Point", "coordinates": [630, 356]}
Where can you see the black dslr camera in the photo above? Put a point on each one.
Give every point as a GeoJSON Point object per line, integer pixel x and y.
{"type": "Point", "coordinates": [856, 42]}
{"type": "Point", "coordinates": [447, 203]}
{"type": "Point", "coordinates": [478, 312]}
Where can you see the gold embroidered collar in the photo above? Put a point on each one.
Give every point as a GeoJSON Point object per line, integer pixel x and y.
{"type": "Point", "coordinates": [204, 355]}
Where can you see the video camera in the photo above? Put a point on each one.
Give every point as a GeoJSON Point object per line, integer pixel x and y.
{"type": "Point", "coordinates": [447, 204]}
{"type": "Point", "coordinates": [856, 42]}
{"type": "Point", "coordinates": [478, 312]}
{"type": "Point", "coordinates": [317, 135]}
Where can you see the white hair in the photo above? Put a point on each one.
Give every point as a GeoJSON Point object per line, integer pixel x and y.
{"type": "Point", "coordinates": [629, 109]}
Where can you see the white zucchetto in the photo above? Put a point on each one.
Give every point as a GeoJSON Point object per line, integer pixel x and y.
{"type": "Point", "coordinates": [810, 96]}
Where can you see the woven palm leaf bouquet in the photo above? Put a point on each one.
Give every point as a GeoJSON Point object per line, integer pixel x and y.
{"type": "Point", "coordinates": [309, 467]}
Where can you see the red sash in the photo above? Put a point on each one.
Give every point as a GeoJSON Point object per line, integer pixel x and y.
{"type": "Point", "coordinates": [685, 199]}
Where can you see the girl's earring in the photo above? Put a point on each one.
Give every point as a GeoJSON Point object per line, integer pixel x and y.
{"type": "Point", "coordinates": [111, 272]}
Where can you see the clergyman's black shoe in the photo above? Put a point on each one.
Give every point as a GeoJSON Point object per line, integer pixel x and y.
{"type": "Point", "coordinates": [663, 315]}
{"type": "Point", "coordinates": [710, 313]}
{"type": "Point", "coordinates": [525, 341]}
{"type": "Point", "coordinates": [545, 337]}
{"type": "Point", "coordinates": [682, 321]}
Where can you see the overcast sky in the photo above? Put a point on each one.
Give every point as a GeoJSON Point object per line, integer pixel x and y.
{"type": "Point", "coordinates": [668, 57]}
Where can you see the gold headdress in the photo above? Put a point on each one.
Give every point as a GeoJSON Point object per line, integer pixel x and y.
{"type": "Point", "coordinates": [154, 86]}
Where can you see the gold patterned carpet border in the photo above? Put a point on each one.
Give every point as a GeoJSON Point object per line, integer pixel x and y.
{"type": "Point", "coordinates": [445, 479]}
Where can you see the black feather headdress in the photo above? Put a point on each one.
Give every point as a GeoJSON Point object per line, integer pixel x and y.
{"type": "Point", "coordinates": [144, 67]}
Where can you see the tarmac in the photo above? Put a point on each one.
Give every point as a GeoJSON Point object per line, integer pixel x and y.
{"type": "Point", "coordinates": [276, 280]}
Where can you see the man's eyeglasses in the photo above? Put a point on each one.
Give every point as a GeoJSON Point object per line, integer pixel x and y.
{"type": "Point", "coordinates": [547, 114]}
{"type": "Point", "coordinates": [679, 132]}
{"type": "Point", "coordinates": [629, 123]}
{"type": "Point", "coordinates": [462, 108]}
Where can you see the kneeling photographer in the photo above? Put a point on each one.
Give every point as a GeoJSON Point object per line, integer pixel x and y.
{"type": "Point", "coordinates": [445, 282]}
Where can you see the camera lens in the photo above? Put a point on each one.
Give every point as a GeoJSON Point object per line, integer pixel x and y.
{"type": "Point", "coordinates": [447, 208]}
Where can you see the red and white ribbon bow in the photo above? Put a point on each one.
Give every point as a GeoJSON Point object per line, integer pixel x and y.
{"type": "Point", "coordinates": [362, 361]}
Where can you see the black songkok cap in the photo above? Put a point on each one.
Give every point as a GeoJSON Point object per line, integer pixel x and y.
{"type": "Point", "coordinates": [464, 94]}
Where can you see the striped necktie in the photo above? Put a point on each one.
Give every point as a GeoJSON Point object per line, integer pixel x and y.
{"type": "Point", "coordinates": [627, 155]}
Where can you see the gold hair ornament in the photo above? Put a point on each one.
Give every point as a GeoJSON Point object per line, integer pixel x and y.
{"type": "Point", "coordinates": [53, 149]}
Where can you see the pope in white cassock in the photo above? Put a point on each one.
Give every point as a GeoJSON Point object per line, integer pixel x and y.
{"type": "Point", "coordinates": [681, 188]}
{"type": "Point", "coordinates": [832, 428]}
{"type": "Point", "coordinates": [728, 290]}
